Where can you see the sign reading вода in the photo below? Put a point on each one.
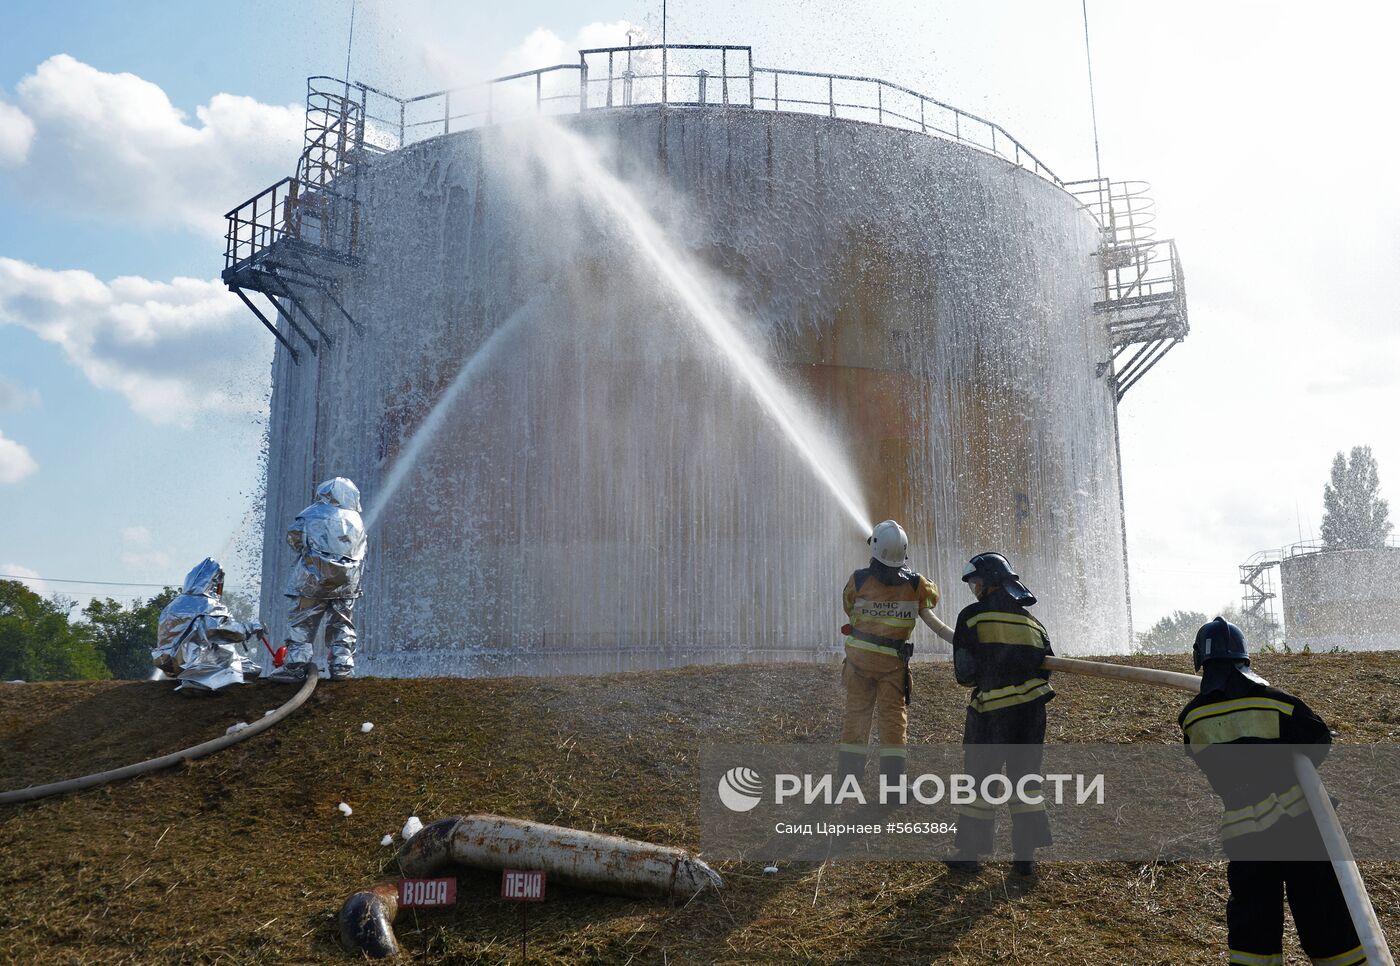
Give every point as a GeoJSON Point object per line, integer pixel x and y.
{"type": "Point", "coordinates": [427, 892]}
{"type": "Point", "coordinates": [522, 885]}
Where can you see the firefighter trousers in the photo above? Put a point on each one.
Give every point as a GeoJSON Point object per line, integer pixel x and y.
{"type": "Point", "coordinates": [1012, 738]}
{"type": "Point", "coordinates": [306, 616]}
{"type": "Point", "coordinates": [1254, 913]}
{"type": "Point", "coordinates": [874, 685]}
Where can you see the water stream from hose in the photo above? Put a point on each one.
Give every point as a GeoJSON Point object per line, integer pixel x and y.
{"type": "Point", "coordinates": [572, 160]}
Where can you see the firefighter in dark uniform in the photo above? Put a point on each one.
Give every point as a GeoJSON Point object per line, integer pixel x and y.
{"type": "Point", "coordinates": [998, 648]}
{"type": "Point", "coordinates": [883, 602]}
{"type": "Point", "coordinates": [1267, 816]}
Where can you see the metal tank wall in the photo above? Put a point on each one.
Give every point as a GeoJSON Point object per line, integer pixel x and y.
{"type": "Point", "coordinates": [605, 495]}
{"type": "Point", "coordinates": [1347, 599]}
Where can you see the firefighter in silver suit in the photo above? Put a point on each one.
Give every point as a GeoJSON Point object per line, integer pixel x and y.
{"type": "Point", "coordinates": [198, 641]}
{"type": "Point", "coordinates": [330, 542]}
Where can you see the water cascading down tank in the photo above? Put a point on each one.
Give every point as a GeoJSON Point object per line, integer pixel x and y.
{"type": "Point", "coordinates": [602, 487]}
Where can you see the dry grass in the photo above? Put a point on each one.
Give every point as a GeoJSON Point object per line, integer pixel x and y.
{"type": "Point", "coordinates": [243, 858]}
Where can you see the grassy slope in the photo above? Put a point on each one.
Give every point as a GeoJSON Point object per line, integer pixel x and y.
{"type": "Point", "coordinates": [243, 857]}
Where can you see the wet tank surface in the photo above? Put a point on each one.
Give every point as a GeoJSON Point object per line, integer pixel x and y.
{"type": "Point", "coordinates": [605, 492]}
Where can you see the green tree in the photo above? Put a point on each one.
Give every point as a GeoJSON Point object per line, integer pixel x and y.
{"type": "Point", "coordinates": [1173, 634]}
{"type": "Point", "coordinates": [1355, 517]}
{"type": "Point", "coordinates": [242, 606]}
{"type": "Point", "coordinates": [37, 641]}
{"type": "Point", "coordinates": [1176, 633]}
{"type": "Point", "coordinates": [125, 636]}
{"type": "Point", "coordinates": [1260, 630]}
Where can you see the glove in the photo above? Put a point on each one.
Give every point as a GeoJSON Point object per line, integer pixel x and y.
{"type": "Point", "coordinates": [256, 629]}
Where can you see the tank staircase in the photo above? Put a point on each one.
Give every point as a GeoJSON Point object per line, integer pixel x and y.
{"type": "Point", "coordinates": [1141, 290]}
{"type": "Point", "coordinates": [1257, 601]}
{"type": "Point", "coordinates": [294, 241]}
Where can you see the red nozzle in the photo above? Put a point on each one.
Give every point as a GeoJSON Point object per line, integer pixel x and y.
{"type": "Point", "coordinates": [279, 656]}
{"type": "Point", "coordinates": [846, 628]}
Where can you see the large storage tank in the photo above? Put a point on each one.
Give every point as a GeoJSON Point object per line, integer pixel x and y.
{"type": "Point", "coordinates": [604, 493]}
{"type": "Point", "coordinates": [1342, 599]}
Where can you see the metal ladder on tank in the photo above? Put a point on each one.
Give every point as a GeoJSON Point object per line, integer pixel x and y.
{"type": "Point", "coordinates": [1140, 291]}
{"type": "Point", "coordinates": [294, 241]}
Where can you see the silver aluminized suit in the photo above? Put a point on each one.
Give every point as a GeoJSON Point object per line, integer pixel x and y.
{"type": "Point", "coordinates": [329, 538]}
{"type": "Point", "coordinates": [198, 641]}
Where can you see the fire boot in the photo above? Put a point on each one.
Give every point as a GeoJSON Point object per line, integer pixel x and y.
{"type": "Point", "coordinates": [965, 863]}
{"type": "Point", "coordinates": [292, 673]}
{"type": "Point", "coordinates": [848, 764]}
{"type": "Point", "coordinates": [892, 763]}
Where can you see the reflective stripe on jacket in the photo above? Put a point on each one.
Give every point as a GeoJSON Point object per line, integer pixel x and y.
{"type": "Point", "coordinates": [998, 648]}
{"type": "Point", "coordinates": [1261, 798]}
{"type": "Point", "coordinates": [883, 604]}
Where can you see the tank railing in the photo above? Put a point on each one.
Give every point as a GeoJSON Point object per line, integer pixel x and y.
{"type": "Point", "coordinates": [399, 121]}
{"type": "Point", "coordinates": [708, 75]}
{"type": "Point", "coordinates": [648, 74]}
{"type": "Point", "coordinates": [893, 105]}
{"type": "Point", "coordinates": [1305, 548]}
{"type": "Point", "coordinates": [259, 223]}
{"type": "Point", "coordinates": [1151, 274]}
{"type": "Point", "coordinates": [1124, 209]}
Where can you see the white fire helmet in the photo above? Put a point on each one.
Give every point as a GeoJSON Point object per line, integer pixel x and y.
{"type": "Point", "coordinates": [889, 544]}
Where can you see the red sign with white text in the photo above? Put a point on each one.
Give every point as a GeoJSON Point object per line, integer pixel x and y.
{"type": "Point", "coordinates": [427, 892]}
{"type": "Point", "coordinates": [522, 885]}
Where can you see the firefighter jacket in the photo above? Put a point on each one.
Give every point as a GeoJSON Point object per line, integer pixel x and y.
{"type": "Point", "coordinates": [997, 650]}
{"type": "Point", "coordinates": [883, 604]}
{"type": "Point", "coordinates": [1262, 800]}
{"type": "Point", "coordinates": [329, 538]}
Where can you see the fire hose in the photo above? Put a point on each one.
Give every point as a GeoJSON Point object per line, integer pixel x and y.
{"type": "Point", "coordinates": [1363, 914]}
{"type": "Point", "coordinates": [165, 761]}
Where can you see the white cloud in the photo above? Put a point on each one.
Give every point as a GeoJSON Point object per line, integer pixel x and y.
{"type": "Point", "coordinates": [544, 48]}
{"type": "Point", "coordinates": [15, 461]}
{"type": "Point", "coordinates": [175, 350]}
{"type": "Point", "coordinates": [140, 553]}
{"type": "Point", "coordinates": [442, 58]}
{"type": "Point", "coordinates": [14, 397]}
{"type": "Point", "coordinates": [114, 145]}
{"type": "Point", "coordinates": [1227, 448]}
{"type": "Point", "coordinates": [28, 577]}
{"type": "Point", "coordinates": [16, 134]}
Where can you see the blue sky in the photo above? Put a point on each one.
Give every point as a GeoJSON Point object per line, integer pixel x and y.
{"type": "Point", "coordinates": [130, 402]}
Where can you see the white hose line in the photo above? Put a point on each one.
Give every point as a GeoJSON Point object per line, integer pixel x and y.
{"type": "Point", "coordinates": [165, 761]}
{"type": "Point", "coordinates": [1368, 927]}
{"type": "Point", "coordinates": [1121, 672]}
{"type": "Point", "coordinates": [1363, 913]}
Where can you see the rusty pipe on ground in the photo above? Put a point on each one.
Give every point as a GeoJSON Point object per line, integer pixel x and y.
{"type": "Point", "coordinates": [1363, 913]}
{"type": "Point", "coordinates": [586, 860]}
{"type": "Point", "coordinates": [165, 761]}
{"type": "Point", "coordinates": [367, 922]}
{"type": "Point", "coordinates": [572, 857]}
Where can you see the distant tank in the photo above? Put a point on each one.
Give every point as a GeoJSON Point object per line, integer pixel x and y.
{"type": "Point", "coordinates": [1342, 599]}
{"type": "Point", "coordinates": [604, 495]}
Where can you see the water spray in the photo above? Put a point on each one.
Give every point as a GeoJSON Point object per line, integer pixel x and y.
{"type": "Point", "coordinates": [571, 158]}
{"type": "Point", "coordinates": [425, 433]}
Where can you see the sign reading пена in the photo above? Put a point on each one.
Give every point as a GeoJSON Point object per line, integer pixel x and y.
{"type": "Point", "coordinates": [522, 885]}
